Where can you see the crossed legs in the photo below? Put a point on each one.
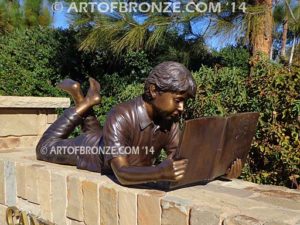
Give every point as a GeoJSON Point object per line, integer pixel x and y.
{"type": "Point", "coordinates": [56, 136]}
{"type": "Point", "coordinates": [83, 106]}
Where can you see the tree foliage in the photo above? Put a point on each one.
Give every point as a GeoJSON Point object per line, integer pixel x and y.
{"type": "Point", "coordinates": [123, 31]}
{"type": "Point", "coordinates": [31, 61]}
{"type": "Point", "coordinates": [31, 13]}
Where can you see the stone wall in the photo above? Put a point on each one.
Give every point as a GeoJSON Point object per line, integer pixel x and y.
{"type": "Point", "coordinates": [24, 119]}
{"type": "Point", "coordinates": [66, 195]}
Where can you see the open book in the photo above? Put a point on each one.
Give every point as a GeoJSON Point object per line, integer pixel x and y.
{"type": "Point", "coordinates": [212, 143]}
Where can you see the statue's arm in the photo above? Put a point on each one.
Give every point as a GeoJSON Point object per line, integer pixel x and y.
{"type": "Point", "coordinates": [168, 170]}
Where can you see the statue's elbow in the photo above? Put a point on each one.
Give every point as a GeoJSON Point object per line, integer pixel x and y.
{"type": "Point", "coordinates": [121, 177]}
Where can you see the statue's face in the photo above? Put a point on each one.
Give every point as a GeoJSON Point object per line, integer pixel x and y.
{"type": "Point", "coordinates": [169, 105]}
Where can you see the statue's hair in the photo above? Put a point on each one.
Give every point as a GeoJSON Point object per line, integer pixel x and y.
{"type": "Point", "coordinates": [170, 77]}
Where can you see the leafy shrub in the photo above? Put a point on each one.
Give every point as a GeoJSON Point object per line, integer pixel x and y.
{"type": "Point", "coordinates": [274, 92]}
{"type": "Point", "coordinates": [219, 92]}
{"type": "Point", "coordinates": [112, 84]}
{"type": "Point", "coordinates": [275, 156]}
{"type": "Point", "coordinates": [233, 57]}
{"type": "Point", "coordinates": [131, 91]}
{"type": "Point", "coordinates": [106, 104]}
{"type": "Point", "coordinates": [136, 65]}
{"type": "Point", "coordinates": [27, 65]}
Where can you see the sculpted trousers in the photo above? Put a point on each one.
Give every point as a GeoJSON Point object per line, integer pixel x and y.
{"type": "Point", "coordinates": [56, 147]}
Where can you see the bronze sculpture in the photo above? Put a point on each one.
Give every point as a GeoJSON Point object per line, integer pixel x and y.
{"type": "Point", "coordinates": [147, 122]}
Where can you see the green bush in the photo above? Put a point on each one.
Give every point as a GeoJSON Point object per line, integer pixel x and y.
{"type": "Point", "coordinates": [106, 104]}
{"type": "Point", "coordinates": [136, 65]}
{"type": "Point", "coordinates": [233, 57]}
{"type": "Point", "coordinates": [131, 91]}
{"type": "Point", "coordinates": [28, 62]}
{"type": "Point", "coordinates": [219, 92]}
{"type": "Point", "coordinates": [274, 92]}
{"type": "Point", "coordinates": [275, 156]}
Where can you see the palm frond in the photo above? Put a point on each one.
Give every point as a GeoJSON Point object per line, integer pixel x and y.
{"type": "Point", "coordinates": [279, 14]}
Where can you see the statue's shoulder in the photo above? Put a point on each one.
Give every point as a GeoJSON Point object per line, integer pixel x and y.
{"type": "Point", "coordinates": [127, 107]}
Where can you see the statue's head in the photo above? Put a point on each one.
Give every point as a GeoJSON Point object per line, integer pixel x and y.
{"type": "Point", "coordinates": [168, 85]}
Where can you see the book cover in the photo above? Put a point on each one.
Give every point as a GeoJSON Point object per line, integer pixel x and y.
{"type": "Point", "coordinates": [212, 143]}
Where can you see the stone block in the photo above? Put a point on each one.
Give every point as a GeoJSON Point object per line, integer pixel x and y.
{"type": "Point", "coordinates": [32, 186]}
{"type": "Point", "coordinates": [127, 208]}
{"type": "Point", "coordinates": [204, 216]}
{"type": "Point", "coordinates": [149, 210]}
{"type": "Point", "coordinates": [10, 183]}
{"type": "Point", "coordinates": [44, 193]}
{"type": "Point", "coordinates": [33, 102]}
{"type": "Point", "coordinates": [174, 213]}
{"type": "Point", "coordinates": [9, 142]}
{"type": "Point", "coordinates": [2, 183]}
{"type": "Point", "coordinates": [42, 121]}
{"type": "Point", "coordinates": [18, 142]}
{"type": "Point", "coordinates": [3, 214]}
{"type": "Point", "coordinates": [74, 222]}
{"type": "Point", "coordinates": [28, 207]}
{"type": "Point", "coordinates": [21, 180]}
{"type": "Point", "coordinates": [280, 223]}
{"type": "Point", "coordinates": [51, 118]}
{"type": "Point", "coordinates": [18, 124]}
{"type": "Point", "coordinates": [28, 141]}
{"type": "Point", "coordinates": [59, 196]}
{"type": "Point", "coordinates": [241, 220]}
{"type": "Point", "coordinates": [91, 204]}
{"type": "Point", "coordinates": [108, 206]}
{"type": "Point", "coordinates": [75, 197]}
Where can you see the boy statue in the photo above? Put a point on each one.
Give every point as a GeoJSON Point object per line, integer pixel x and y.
{"type": "Point", "coordinates": [146, 124]}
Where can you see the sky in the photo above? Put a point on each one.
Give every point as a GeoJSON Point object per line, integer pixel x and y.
{"type": "Point", "coordinates": [60, 20]}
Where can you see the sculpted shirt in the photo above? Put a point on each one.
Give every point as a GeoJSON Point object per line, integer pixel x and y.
{"type": "Point", "coordinates": [129, 132]}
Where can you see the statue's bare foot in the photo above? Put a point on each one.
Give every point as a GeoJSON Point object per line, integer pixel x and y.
{"type": "Point", "coordinates": [72, 88]}
{"type": "Point", "coordinates": [93, 94]}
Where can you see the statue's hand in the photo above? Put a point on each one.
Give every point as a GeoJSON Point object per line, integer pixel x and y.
{"type": "Point", "coordinates": [235, 170]}
{"type": "Point", "coordinates": [172, 170]}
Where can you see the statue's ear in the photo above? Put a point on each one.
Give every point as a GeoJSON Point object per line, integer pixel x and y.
{"type": "Point", "coordinates": [153, 91]}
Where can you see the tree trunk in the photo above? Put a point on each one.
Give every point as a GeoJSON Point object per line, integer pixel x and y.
{"type": "Point", "coordinates": [271, 52]}
{"type": "Point", "coordinates": [260, 35]}
{"type": "Point", "coordinates": [292, 51]}
{"type": "Point", "coordinates": [284, 37]}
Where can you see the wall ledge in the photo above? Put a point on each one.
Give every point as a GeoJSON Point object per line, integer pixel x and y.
{"type": "Point", "coordinates": [33, 102]}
